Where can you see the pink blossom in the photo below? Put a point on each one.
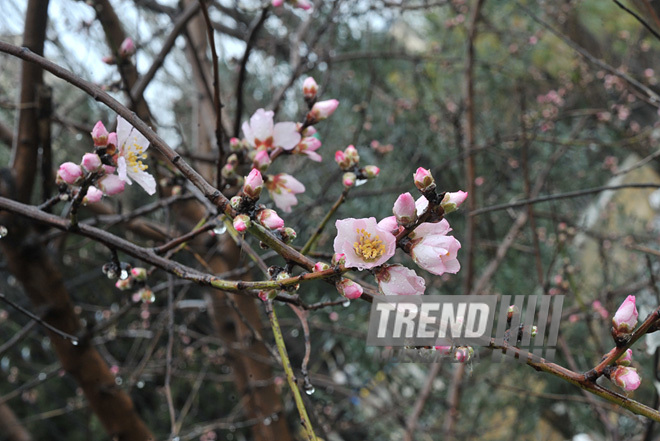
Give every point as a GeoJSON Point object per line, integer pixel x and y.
{"type": "Point", "coordinates": [260, 132]}
{"type": "Point", "coordinates": [625, 319]}
{"type": "Point", "coordinates": [91, 162]}
{"type": "Point", "coordinates": [364, 243]}
{"type": "Point", "coordinates": [111, 184]}
{"type": "Point", "coordinates": [452, 201]}
{"type": "Point", "coordinates": [132, 147]}
{"type": "Point", "coordinates": [269, 219]}
{"type": "Point", "coordinates": [127, 48]}
{"type": "Point", "coordinates": [69, 173]}
{"type": "Point", "coordinates": [283, 189]}
{"type": "Point", "coordinates": [626, 378]}
{"type": "Point", "coordinates": [390, 224]}
{"type": "Point", "coordinates": [253, 185]}
{"type": "Point", "coordinates": [433, 250]}
{"type": "Point", "coordinates": [424, 179]}
{"type": "Point", "coordinates": [349, 289]}
{"type": "Point", "coordinates": [310, 88]}
{"type": "Point", "coordinates": [241, 223]}
{"type": "Point", "coordinates": [322, 110]}
{"type": "Point", "coordinates": [100, 135]}
{"type": "Point", "coordinates": [308, 146]}
{"type": "Point", "coordinates": [261, 160]}
{"type": "Point", "coordinates": [404, 209]}
{"type": "Point", "coordinates": [93, 195]}
{"type": "Point", "coordinates": [397, 280]}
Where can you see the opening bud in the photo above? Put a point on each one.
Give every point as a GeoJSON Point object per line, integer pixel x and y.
{"type": "Point", "coordinates": [269, 219]}
{"type": "Point", "coordinates": [321, 266]}
{"type": "Point", "coordinates": [253, 185]}
{"type": "Point", "coordinates": [424, 180]}
{"type": "Point", "coordinates": [404, 209]}
{"type": "Point", "coordinates": [100, 135]}
{"type": "Point", "coordinates": [625, 319]}
{"type": "Point", "coordinates": [310, 89]}
{"type": "Point", "coordinates": [625, 377]}
{"type": "Point", "coordinates": [139, 274]}
{"type": "Point", "coordinates": [349, 289]}
{"type": "Point", "coordinates": [371, 171]}
{"type": "Point", "coordinates": [241, 222]}
{"type": "Point", "coordinates": [111, 185]}
{"type": "Point", "coordinates": [452, 201]}
{"type": "Point", "coordinates": [125, 284]}
{"type": "Point", "coordinates": [348, 180]}
{"type": "Point", "coordinates": [91, 162]}
{"type": "Point", "coordinates": [321, 111]}
{"type": "Point", "coordinates": [261, 160]}
{"type": "Point", "coordinates": [69, 173]}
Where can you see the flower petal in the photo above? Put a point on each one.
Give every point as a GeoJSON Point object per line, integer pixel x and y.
{"type": "Point", "coordinates": [122, 170]}
{"type": "Point", "coordinates": [145, 180]}
{"type": "Point", "coordinates": [285, 135]}
{"type": "Point", "coordinates": [261, 124]}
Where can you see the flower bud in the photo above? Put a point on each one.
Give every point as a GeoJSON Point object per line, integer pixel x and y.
{"type": "Point", "coordinates": [139, 274]}
{"type": "Point", "coordinates": [261, 160]}
{"type": "Point", "coordinates": [424, 180]}
{"type": "Point", "coordinates": [235, 144]}
{"type": "Point", "coordinates": [463, 354]}
{"type": "Point", "coordinates": [444, 350]}
{"type": "Point", "coordinates": [69, 173]}
{"type": "Point", "coordinates": [100, 135]}
{"type": "Point", "coordinates": [111, 185]}
{"type": "Point", "coordinates": [452, 201]}
{"type": "Point", "coordinates": [321, 266]}
{"type": "Point", "coordinates": [625, 359]}
{"type": "Point", "coordinates": [146, 295]}
{"type": "Point", "coordinates": [269, 219]}
{"type": "Point", "coordinates": [352, 155]}
{"type": "Point", "coordinates": [349, 289]}
{"type": "Point", "coordinates": [241, 222]}
{"type": "Point", "coordinates": [625, 319]}
{"type": "Point", "coordinates": [310, 89]}
{"type": "Point", "coordinates": [288, 235]}
{"type": "Point", "coordinates": [127, 48]}
{"type": "Point", "coordinates": [109, 60]}
{"type": "Point", "coordinates": [91, 162]}
{"type": "Point", "coordinates": [113, 143]}
{"type": "Point", "coordinates": [342, 161]}
{"type": "Point", "coordinates": [348, 180]}
{"type": "Point", "coordinates": [322, 110]}
{"type": "Point", "coordinates": [108, 169]}
{"type": "Point", "coordinates": [626, 378]}
{"type": "Point", "coordinates": [124, 284]}
{"type": "Point", "coordinates": [404, 209]}
{"type": "Point", "coordinates": [371, 171]}
{"type": "Point", "coordinates": [93, 195]}
{"type": "Point", "coordinates": [338, 259]}
{"type": "Point", "coordinates": [253, 185]}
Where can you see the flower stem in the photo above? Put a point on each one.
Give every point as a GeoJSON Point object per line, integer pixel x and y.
{"type": "Point", "coordinates": [286, 364]}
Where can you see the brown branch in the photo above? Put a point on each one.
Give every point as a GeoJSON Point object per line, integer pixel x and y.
{"type": "Point", "coordinates": [11, 427]}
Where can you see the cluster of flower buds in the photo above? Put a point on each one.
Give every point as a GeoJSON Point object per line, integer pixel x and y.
{"type": "Point", "coordinates": [623, 324]}
{"type": "Point", "coordinates": [348, 161]}
{"type": "Point", "coordinates": [136, 281]}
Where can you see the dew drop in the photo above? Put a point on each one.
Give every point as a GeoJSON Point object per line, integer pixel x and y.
{"type": "Point", "coordinates": [346, 303]}
{"type": "Point", "coordinates": [74, 342]}
{"type": "Point", "coordinates": [3, 231]}
{"type": "Point", "coordinates": [118, 381]}
{"type": "Point", "coordinates": [220, 229]}
{"type": "Point", "coordinates": [359, 182]}
{"type": "Point", "coordinates": [42, 376]}
{"type": "Point", "coordinates": [123, 275]}
{"type": "Point", "coordinates": [309, 389]}
{"type": "Point", "coordinates": [140, 384]}
{"type": "Point", "coordinates": [267, 421]}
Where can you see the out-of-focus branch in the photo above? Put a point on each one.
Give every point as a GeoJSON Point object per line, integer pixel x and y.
{"type": "Point", "coordinates": [11, 427]}
{"type": "Point", "coordinates": [6, 135]}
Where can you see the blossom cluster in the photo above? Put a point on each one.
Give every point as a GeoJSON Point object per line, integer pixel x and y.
{"type": "Point", "coordinates": [417, 226]}
{"type": "Point", "coordinates": [623, 324]}
{"type": "Point", "coordinates": [122, 152]}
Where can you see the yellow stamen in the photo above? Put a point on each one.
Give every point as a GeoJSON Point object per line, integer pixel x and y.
{"type": "Point", "coordinates": [133, 158]}
{"type": "Point", "coordinates": [367, 248]}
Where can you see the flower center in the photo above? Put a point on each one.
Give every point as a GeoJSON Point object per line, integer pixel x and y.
{"type": "Point", "coordinates": [268, 143]}
{"type": "Point", "coordinates": [367, 248]}
{"type": "Point", "coordinates": [134, 156]}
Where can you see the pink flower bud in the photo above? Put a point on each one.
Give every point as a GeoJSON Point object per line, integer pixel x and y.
{"type": "Point", "coordinates": [322, 110]}
{"type": "Point", "coordinates": [100, 135]}
{"type": "Point", "coordinates": [310, 88]}
{"type": "Point", "coordinates": [321, 266]}
{"type": "Point", "coordinates": [424, 180]}
{"type": "Point", "coordinates": [348, 180]}
{"type": "Point", "coordinates": [452, 201]}
{"type": "Point", "coordinates": [93, 195]}
{"type": "Point", "coordinates": [269, 219]}
{"type": "Point", "coordinates": [139, 274]}
{"type": "Point", "coordinates": [625, 359]}
{"type": "Point", "coordinates": [241, 223]}
{"type": "Point", "coordinates": [463, 354]}
{"type": "Point", "coordinates": [261, 161]}
{"type": "Point", "coordinates": [342, 160]}
{"type": "Point", "coordinates": [112, 139]}
{"type": "Point", "coordinates": [625, 319]}
{"type": "Point", "coordinates": [352, 155]}
{"type": "Point", "coordinates": [277, 3]}
{"type": "Point", "coordinates": [127, 48]}
{"type": "Point", "coordinates": [338, 259]}
{"type": "Point", "coordinates": [124, 284]}
{"type": "Point", "coordinates": [626, 378]}
{"type": "Point", "coordinates": [371, 171]}
{"type": "Point", "coordinates": [146, 295]}
{"type": "Point", "coordinates": [349, 289]}
{"type": "Point", "coordinates": [109, 60]}
{"type": "Point", "coordinates": [235, 144]}
{"type": "Point", "coordinates": [404, 209]}
{"type": "Point", "coordinates": [69, 173]}
{"type": "Point", "coordinates": [236, 202]}
{"type": "Point", "coordinates": [91, 162]}
{"type": "Point", "coordinates": [263, 295]}
{"type": "Point", "coordinates": [108, 169]}
{"type": "Point", "coordinates": [111, 185]}
{"type": "Point", "coordinates": [253, 184]}
{"type": "Point", "coordinates": [288, 234]}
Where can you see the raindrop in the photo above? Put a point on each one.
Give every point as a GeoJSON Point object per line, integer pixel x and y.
{"type": "Point", "coordinates": [220, 229]}
{"type": "Point", "coordinates": [4, 363]}
{"type": "Point", "coordinates": [42, 376]}
{"type": "Point", "coordinates": [309, 389]}
{"type": "Point", "coordinates": [25, 353]}
{"type": "Point", "coordinates": [79, 137]}
{"type": "Point", "coordinates": [140, 384]}
{"type": "Point", "coordinates": [359, 182]}
{"type": "Point", "coordinates": [75, 342]}
{"type": "Point", "coordinates": [267, 421]}
{"type": "Point", "coordinates": [118, 381]}
{"type": "Point", "coordinates": [98, 315]}
{"type": "Point", "coordinates": [3, 231]}
{"type": "Point", "coordinates": [176, 438]}
{"type": "Point", "coordinates": [294, 333]}
{"type": "Point", "coordinates": [232, 428]}
{"type": "Point", "coordinates": [346, 303]}
{"type": "Point", "coordinates": [123, 275]}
